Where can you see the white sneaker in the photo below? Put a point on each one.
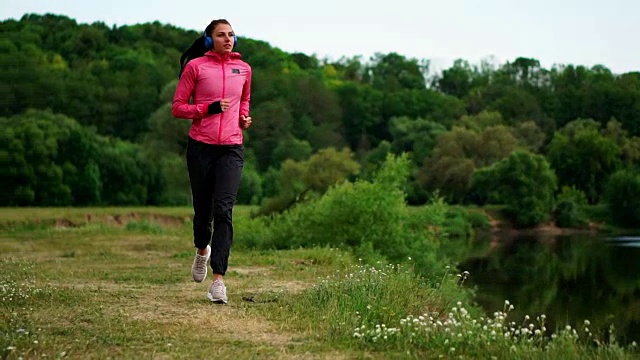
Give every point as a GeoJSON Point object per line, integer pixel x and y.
{"type": "Point", "coordinates": [199, 267]}
{"type": "Point", "coordinates": [218, 292]}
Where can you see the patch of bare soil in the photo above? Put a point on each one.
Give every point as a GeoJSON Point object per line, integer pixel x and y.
{"type": "Point", "coordinates": [180, 308]}
{"type": "Point", "coordinates": [122, 220]}
{"type": "Point", "coordinates": [549, 228]}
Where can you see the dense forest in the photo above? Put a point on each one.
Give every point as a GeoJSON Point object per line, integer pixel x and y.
{"type": "Point", "coordinates": [86, 116]}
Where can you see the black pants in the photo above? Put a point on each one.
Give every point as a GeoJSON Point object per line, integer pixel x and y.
{"type": "Point", "coordinates": [214, 173]}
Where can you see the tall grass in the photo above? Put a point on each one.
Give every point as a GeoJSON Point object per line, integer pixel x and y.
{"type": "Point", "coordinates": [388, 309]}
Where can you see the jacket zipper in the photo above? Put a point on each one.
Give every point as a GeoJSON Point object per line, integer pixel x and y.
{"type": "Point", "coordinates": [224, 80]}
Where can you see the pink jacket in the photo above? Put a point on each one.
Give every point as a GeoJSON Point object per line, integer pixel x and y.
{"type": "Point", "coordinates": [210, 78]}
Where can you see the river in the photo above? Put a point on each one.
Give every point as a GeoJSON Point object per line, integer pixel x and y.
{"type": "Point", "coordinates": [568, 278]}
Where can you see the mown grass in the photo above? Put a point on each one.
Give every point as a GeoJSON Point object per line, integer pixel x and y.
{"type": "Point", "coordinates": [101, 289]}
{"type": "Point", "coordinates": [105, 290]}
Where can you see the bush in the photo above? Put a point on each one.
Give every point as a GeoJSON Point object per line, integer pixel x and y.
{"type": "Point", "coordinates": [623, 197]}
{"type": "Point", "coordinates": [478, 219]}
{"type": "Point", "coordinates": [370, 218]}
{"type": "Point", "coordinates": [250, 189]}
{"type": "Point", "coordinates": [349, 214]}
{"type": "Point", "coordinates": [570, 208]}
{"type": "Point", "coordinates": [526, 185]}
{"type": "Point", "coordinates": [300, 181]}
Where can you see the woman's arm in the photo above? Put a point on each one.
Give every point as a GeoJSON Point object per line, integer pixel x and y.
{"type": "Point", "coordinates": [245, 99]}
{"type": "Point", "coordinates": [181, 107]}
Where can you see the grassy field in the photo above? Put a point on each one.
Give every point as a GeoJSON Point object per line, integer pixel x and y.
{"type": "Point", "coordinates": [124, 290]}
{"type": "Point", "coordinates": [116, 283]}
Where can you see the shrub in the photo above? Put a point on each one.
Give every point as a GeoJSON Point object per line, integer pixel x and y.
{"type": "Point", "coordinates": [570, 208]}
{"type": "Point", "coordinates": [623, 197]}
{"type": "Point", "coordinates": [370, 218]}
{"type": "Point", "coordinates": [526, 185]}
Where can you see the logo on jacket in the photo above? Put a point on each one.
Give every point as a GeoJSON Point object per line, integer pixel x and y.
{"type": "Point", "coordinates": [235, 71]}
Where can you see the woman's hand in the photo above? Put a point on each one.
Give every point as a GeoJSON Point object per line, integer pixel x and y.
{"type": "Point", "coordinates": [218, 107]}
{"type": "Point", "coordinates": [245, 121]}
{"type": "Point", "coordinates": [224, 104]}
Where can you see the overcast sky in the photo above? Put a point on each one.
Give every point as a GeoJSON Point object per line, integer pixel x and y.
{"type": "Point", "coordinates": [579, 32]}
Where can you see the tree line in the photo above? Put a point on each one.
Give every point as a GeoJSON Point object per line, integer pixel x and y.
{"type": "Point", "coordinates": [86, 113]}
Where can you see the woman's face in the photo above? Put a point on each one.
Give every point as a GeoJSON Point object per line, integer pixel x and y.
{"type": "Point", "coordinates": [223, 38]}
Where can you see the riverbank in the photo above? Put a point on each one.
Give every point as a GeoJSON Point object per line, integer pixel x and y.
{"type": "Point", "coordinates": [598, 221]}
{"type": "Point", "coordinates": [131, 296]}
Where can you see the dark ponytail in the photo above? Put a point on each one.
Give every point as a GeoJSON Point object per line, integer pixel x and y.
{"type": "Point", "coordinates": [196, 50]}
{"type": "Point", "coordinates": [198, 47]}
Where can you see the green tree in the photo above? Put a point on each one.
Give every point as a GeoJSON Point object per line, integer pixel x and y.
{"type": "Point", "coordinates": [583, 157]}
{"type": "Point", "coordinates": [393, 72]}
{"type": "Point", "coordinates": [300, 180]}
{"type": "Point", "coordinates": [417, 136]}
{"type": "Point", "coordinates": [526, 184]}
{"type": "Point", "coordinates": [457, 155]}
{"type": "Point", "coordinates": [623, 197]}
{"type": "Point", "coordinates": [42, 166]}
{"type": "Point", "coordinates": [275, 120]}
{"type": "Point", "coordinates": [457, 80]}
{"type": "Point", "coordinates": [251, 185]}
{"type": "Point", "coordinates": [291, 148]}
{"type": "Point", "coordinates": [362, 113]}
{"type": "Point", "coordinates": [570, 208]}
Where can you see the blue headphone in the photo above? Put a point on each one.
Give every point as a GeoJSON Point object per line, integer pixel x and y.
{"type": "Point", "coordinates": [208, 40]}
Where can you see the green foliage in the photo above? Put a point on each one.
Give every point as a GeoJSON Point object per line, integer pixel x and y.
{"type": "Point", "coordinates": [119, 81]}
{"type": "Point", "coordinates": [126, 173]}
{"type": "Point", "coordinates": [478, 219]}
{"type": "Point", "coordinates": [457, 80]}
{"type": "Point", "coordinates": [570, 208]}
{"type": "Point", "coordinates": [143, 226]}
{"type": "Point", "coordinates": [483, 189]}
{"type": "Point", "coordinates": [362, 295]}
{"type": "Point", "coordinates": [175, 189]}
{"type": "Point", "coordinates": [524, 182]}
{"type": "Point", "coordinates": [167, 134]}
{"type": "Point", "coordinates": [530, 136]}
{"type": "Point", "coordinates": [415, 135]}
{"type": "Point", "coordinates": [583, 157]}
{"type": "Point", "coordinates": [293, 149]}
{"type": "Point", "coordinates": [310, 178]}
{"type": "Point", "coordinates": [392, 72]}
{"type": "Point", "coordinates": [457, 155]}
{"type": "Point", "coordinates": [370, 218]}
{"type": "Point", "coordinates": [42, 165]}
{"type": "Point", "coordinates": [482, 120]}
{"type": "Point", "coordinates": [362, 114]}
{"type": "Point", "coordinates": [623, 197]}
{"type": "Point", "coordinates": [389, 311]}
{"type": "Point", "coordinates": [250, 190]}
{"type": "Point", "coordinates": [348, 215]}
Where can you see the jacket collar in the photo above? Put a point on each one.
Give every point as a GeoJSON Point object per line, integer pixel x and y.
{"type": "Point", "coordinates": [222, 57]}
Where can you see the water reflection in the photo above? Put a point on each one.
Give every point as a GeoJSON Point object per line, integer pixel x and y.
{"type": "Point", "coordinates": [567, 278]}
